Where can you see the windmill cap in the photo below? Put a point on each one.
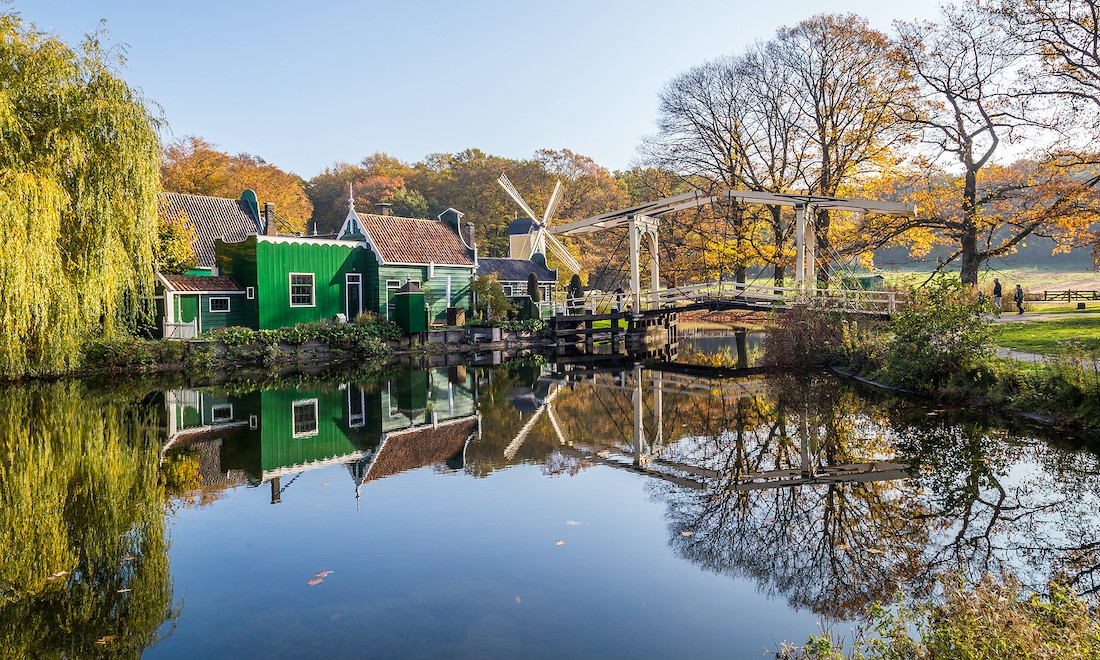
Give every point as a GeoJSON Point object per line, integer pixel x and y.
{"type": "Point", "coordinates": [521, 226]}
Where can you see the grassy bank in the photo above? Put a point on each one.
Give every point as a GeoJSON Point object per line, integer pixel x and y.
{"type": "Point", "coordinates": [1049, 335]}
{"type": "Point", "coordinates": [988, 620]}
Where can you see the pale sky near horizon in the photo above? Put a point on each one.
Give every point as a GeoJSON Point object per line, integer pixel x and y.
{"type": "Point", "coordinates": [304, 85]}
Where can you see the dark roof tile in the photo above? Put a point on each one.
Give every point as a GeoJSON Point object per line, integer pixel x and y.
{"type": "Point", "coordinates": [416, 241]}
{"type": "Point", "coordinates": [515, 270]}
{"type": "Point", "coordinates": [211, 218]}
{"type": "Point", "coordinates": [201, 283]}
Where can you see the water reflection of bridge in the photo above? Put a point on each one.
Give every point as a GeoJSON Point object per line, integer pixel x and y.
{"type": "Point", "coordinates": [656, 381]}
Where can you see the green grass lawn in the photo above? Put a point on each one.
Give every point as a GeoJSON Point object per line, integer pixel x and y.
{"type": "Point", "coordinates": [1043, 336]}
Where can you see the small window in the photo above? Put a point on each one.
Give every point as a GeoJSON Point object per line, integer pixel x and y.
{"type": "Point", "coordinates": [357, 407]}
{"type": "Point", "coordinates": [253, 422]}
{"type": "Point", "coordinates": [507, 288]}
{"type": "Point", "coordinates": [219, 304]}
{"type": "Point", "coordinates": [250, 292]}
{"type": "Point", "coordinates": [301, 289]}
{"type": "Point", "coordinates": [221, 413]}
{"type": "Point", "coordinates": [305, 418]}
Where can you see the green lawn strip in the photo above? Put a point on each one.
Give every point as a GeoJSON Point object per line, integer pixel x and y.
{"type": "Point", "coordinates": [1044, 336]}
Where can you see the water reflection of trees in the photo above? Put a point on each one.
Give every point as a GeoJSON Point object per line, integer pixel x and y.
{"type": "Point", "coordinates": [80, 494]}
{"type": "Point", "coordinates": [1007, 498]}
{"type": "Point", "coordinates": [831, 547]}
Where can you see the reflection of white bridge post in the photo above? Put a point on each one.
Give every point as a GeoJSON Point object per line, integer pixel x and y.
{"type": "Point", "coordinates": [644, 454]}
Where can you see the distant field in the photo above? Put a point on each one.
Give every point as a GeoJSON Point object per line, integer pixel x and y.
{"type": "Point", "coordinates": [1044, 336]}
{"type": "Point", "coordinates": [1032, 279]}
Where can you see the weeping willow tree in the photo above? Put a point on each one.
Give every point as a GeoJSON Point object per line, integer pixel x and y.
{"type": "Point", "coordinates": [84, 563]}
{"type": "Point", "coordinates": [79, 159]}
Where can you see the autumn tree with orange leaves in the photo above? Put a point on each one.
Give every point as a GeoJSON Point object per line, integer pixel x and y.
{"type": "Point", "coordinates": [193, 165]}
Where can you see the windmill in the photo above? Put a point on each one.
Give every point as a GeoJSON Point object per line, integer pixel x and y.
{"type": "Point", "coordinates": [538, 236]}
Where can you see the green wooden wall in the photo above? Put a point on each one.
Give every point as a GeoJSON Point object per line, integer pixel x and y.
{"type": "Point", "coordinates": [267, 265]}
{"type": "Point", "coordinates": [435, 287]}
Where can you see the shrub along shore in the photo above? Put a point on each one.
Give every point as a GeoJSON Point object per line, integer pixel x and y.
{"type": "Point", "coordinates": [368, 338]}
{"type": "Point", "coordinates": [941, 346]}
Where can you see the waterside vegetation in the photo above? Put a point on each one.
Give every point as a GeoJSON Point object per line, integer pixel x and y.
{"type": "Point", "coordinates": [942, 346]}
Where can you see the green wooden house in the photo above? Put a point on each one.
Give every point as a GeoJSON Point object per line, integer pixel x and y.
{"type": "Point", "coordinates": [249, 275]}
{"type": "Point", "coordinates": [297, 279]}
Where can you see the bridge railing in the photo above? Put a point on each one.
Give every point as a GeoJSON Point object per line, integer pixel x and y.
{"type": "Point", "coordinates": [849, 300]}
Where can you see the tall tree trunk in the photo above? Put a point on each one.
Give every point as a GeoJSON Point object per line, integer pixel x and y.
{"type": "Point", "coordinates": [971, 259]}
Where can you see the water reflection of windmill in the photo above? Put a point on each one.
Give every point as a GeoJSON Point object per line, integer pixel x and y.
{"type": "Point", "coordinates": [647, 453]}
{"type": "Point", "coordinates": [528, 239]}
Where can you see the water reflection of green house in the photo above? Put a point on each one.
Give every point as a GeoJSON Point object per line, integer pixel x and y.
{"type": "Point", "coordinates": [269, 434]}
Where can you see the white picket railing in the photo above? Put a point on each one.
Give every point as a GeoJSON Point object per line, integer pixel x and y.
{"type": "Point", "coordinates": [850, 300]}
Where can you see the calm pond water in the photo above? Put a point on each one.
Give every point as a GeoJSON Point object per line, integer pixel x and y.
{"type": "Point", "coordinates": [536, 510]}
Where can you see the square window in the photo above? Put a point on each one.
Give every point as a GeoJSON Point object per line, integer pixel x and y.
{"type": "Point", "coordinates": [219, 304]}
{"type": "Point", "coordinates": [301, 289]}
{"type": "Point", "coordinates": [221, 413]}
{"type": "Point", "coordinates": [305, 418]}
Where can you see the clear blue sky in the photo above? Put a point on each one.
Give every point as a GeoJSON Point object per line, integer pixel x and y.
{"type": "Point", "coordinates": [306, 84]}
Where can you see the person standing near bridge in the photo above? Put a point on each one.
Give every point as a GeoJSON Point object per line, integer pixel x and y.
{"type": "Point", "coordinates": [997, 294]}
{"type": "Point", "coordinates": [1018, 297]}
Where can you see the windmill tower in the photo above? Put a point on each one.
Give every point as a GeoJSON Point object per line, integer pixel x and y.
{"type": "Point", "coordinates": [537, 238]}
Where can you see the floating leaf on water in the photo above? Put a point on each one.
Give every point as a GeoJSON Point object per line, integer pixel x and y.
{"type": "Point", "coordinates": [559, 542]}
{"type": "Point", "coordinates": [323, 484]}
{"type": "Point", "coordinates": [315, 581]}
{"type": "Point", "coordinates": [876, 551]}
{"type": "Point", "coordinates": [59, 574]}
{"type": "Point", "coordinates": [106, 639]}
{"type": "Point", "coordinates": [129, 558]}
{"type": "Point", "coordinates": [323, 574]}
{"type": "Point", "coordinates": [517, 600]}
{"type": "Point", "coordinates": [842, 547]}
{"type": "Point", "coordinates": [574, 523]}
{"type": "Point", "coordinates": [686, 533]}
{"type": "Point", "coordinates": [125, 591]}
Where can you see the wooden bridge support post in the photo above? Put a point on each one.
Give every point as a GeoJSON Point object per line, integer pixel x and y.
{"type": "Point", "coordinates": [654, 263]}
{"type": "Point", "coordinates": [635, 274]}
{"type": "Point", "coordinates": [800, 245]}
{"type": "Point", "coordinates": [810, 242]}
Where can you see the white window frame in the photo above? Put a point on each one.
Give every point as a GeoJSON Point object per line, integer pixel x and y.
{"type": "Point", "coordinates": [312, 289]}
{"type": "Point", "coordinates": [391, 285]}
{"type": "Point", "coordinates": [507, 289]}
{"type": "Point", "coordinates": [358, 396]}
{"type": "Point", "coordinates": [347, 285]}
{"type": "Point", "coordinates": [210, 305]}
{"type": "Point", "coordinates": [295, 433]}
{"type": "Point", "coordinates": [214, 413]}
{"type": "Point", "coordinates": [250, 292]}
{"type": "Point", "coordinates": [253, 422]}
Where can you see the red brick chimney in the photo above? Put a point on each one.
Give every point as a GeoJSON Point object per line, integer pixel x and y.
{"type": "Point", "coordinates": [269, 219]}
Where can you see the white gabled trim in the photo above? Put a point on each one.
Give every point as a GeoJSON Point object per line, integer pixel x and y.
{"type": "Point", "coordinates": [398, 263]}
{"type": "Point", "coordinates": [309, 240]}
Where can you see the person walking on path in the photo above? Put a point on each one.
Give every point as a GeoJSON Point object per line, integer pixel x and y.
{"type": "Point", "coordinates": [1018, 297]}
{"type": "Point", "coordinates": [997, 294]}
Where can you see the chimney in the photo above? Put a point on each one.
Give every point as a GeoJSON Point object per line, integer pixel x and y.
{"type": "Point", "coordinates": [470, 235]}
{"type": "Point", "coordinates": [269, 219]}
{"type": "Point", "coordinates": [383, 208]}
